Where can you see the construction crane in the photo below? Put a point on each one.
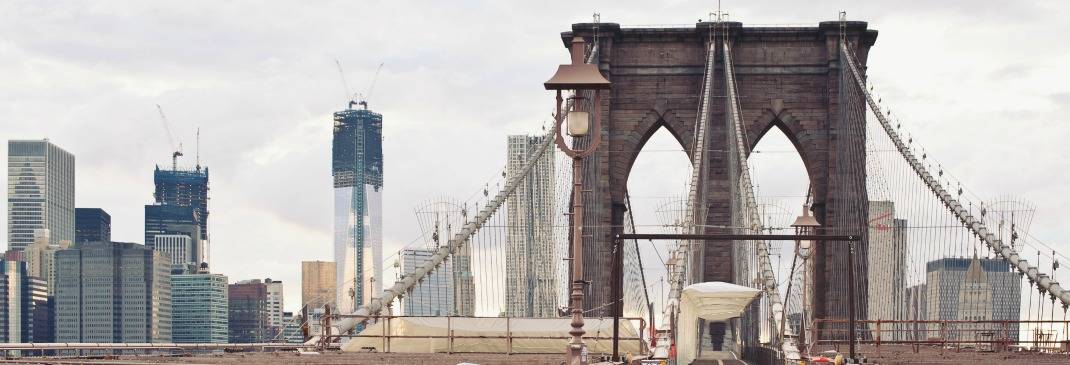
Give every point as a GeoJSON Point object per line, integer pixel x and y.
{"type": "Point", "coordinates": [345, 85]}
{"type": "Point", "coordinates": [360, 98]}
{"type": "Point", "coordinates": [371, 87]}
{"type": "Point", "coordinates": [170, 139]}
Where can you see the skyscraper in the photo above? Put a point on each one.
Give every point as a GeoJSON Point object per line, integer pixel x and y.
{"type": "Point", "coordinates": [529, 258]}
{"type": "Point", "coordinates": [187, 188]}
{"type": "Point", "coordinates": [317, 284]}
{"type": "Point", "coordinates": [91, 224]}
{"type": "Point", "coordinates": [40, 185]}
{"type": "Point", "coordinates": [112, 292]}
{"type": "Point", "coordinates": [199, 308]}
{"type": "Point", "coordinates": [434, 296]}
{"type": "Point", "coordinates": [886, 266]}
{"type": "Point", "coordinates": [972, 289]}
{"type": "Point", "coordinates": [247, 315]}
{"type": "Point", "coordinates": [357, 168]}
{"type": "Point", "coordinates": [179, 249]}
{"type": "Point", "coordinates": [174, 220]}
{"type": "Point", "coordinates": [40, 259]}
{"type": "Point", "coordinates": [274, 309]}
{"type": "Point", "coordinates": [23, 300]}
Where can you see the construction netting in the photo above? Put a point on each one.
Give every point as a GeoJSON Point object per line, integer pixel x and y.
{"type": "Point", "coordinates": [710, 301]}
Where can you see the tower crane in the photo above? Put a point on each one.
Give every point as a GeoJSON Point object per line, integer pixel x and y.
{"type": "Point", "coordinates": [170, 139]}
{"type": "Point", "coordinates": [371, 87]}
{"type": "Point", "coordinates": [361, 98]}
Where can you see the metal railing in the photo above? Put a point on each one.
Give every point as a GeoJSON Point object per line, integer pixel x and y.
{"type": "Point", "coordinates": [958, 335]}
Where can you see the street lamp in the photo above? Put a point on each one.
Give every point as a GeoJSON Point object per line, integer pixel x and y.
{"type": "Point", "coordinates": [804, 224]}
{"type": "Point", "coordinates": [582, 79]}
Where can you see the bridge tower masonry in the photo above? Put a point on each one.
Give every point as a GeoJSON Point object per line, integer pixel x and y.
{"type": "Point", "coordinates": [788, 78]}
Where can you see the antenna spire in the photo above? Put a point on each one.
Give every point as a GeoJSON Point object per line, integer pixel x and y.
{"type": "Point", "coordinates": [198, 152]}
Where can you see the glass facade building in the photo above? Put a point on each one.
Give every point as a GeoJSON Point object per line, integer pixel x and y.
{"type": "Point", "coordinates": [964, 289]}
{"type": "Point", "coordinates": [174, 220]}
{"type": "Point", "coordinates": [291, 332]}
{"type": "Point", "coordinates": [200, 308]}
{"type": "Point", "coordinates": [247, 314]}
{"type": "Point", "coordinates": [530, 289]}
{"type": "Point", "coordinates": [357, 169]}
{"type": "Point", "coordinates": [40, 192]}
{"type": "Point", "coordinates": [112, 292]}
{"type": "Point", "coordinates": [91, 225]}
{"type": "Point", "coordinates": [434, 296]}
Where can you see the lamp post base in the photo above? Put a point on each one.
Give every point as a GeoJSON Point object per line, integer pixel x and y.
{"type": "Point", "coordinates": [577, 350]}
{"type": "Point", "coordinates": [577, 354]}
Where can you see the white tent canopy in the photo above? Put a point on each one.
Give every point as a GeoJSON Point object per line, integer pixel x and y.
{"type": "Point", "coordinates": [711, 301]}
{"type": "Point", "coordinates": [493, 335]}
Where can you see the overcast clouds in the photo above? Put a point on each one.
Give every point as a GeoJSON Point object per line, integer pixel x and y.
{"type": "Point", "coordinates": [983, 85]}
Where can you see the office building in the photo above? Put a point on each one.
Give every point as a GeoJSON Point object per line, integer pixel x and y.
{"type": "Point", "coordinates": [916, 310]}
{"type": "Point", "coordinates": [40, 185]}
{"type": "Point", "coordinates": [274, 309]}
{"type": "Point", "coordinates": [112, 292]}
{"type": "Point", "coordinates": [91, 225]}
{"type": "Point", "coordinates": [291, 331]}
{"type": "Point", "coordinates": [40, 258]}
{"type": "Point", "coordinates": [179, 250]}
{"type": "Point", "coordinates": [973, 289]}
{"type": "Point", "coordinates": [200, 308]}
{"type": "Point", "coordinates": [317, 284]}
{"type": "Point", "coordinates": [357, 169]}
{"type": "Point", "coordinates": [24, 306]}
{"type": "Point", "coordinates": [174, 220]}
{"type": "Point", "coordinates": [530, 290]}
{"type": "Point", "coordinates": [247, 314]}
{"type": "Point", "coordinates": [434, 296]}
{"type": "Point", "coordinates": [886, 267]}
{"type": "Point", "coordinates": [185, 188]}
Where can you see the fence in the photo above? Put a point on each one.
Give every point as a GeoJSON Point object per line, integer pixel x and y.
{"type": "Point", "coordinates": [995, 336]}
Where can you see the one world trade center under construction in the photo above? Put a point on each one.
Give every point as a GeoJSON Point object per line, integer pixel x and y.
{"type": "Point", "coordinates": [358, 185]}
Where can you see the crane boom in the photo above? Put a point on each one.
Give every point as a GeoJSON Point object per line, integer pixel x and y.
{"type": "Point", "coordinates": [371, 86]}
{"type": "Point", "coordinates": [170, 139]}
{"type": "Point", "coordinates": [345, 84]}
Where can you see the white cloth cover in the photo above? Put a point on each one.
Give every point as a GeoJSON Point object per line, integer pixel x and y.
{"type": "Point", "coordinates": [491, 327]}
{"type": "Point", "coordinates": [712, 301]}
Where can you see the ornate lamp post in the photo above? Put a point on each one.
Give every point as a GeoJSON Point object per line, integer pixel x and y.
{"type": "Point", "coordinates": [804, 224]}
{"type": "Point", "coordinates": [583, 79]}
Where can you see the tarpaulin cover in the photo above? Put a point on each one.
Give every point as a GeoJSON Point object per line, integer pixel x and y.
{"type": "Point", "coordinates": [712, 301]}
{"type": "Point", "coordinates": [493, 332]}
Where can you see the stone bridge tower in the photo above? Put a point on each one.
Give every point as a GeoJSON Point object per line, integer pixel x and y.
{"type": "Point", "coordinates": [788, 78]}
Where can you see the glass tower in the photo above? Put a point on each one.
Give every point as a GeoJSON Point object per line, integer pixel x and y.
{"type": "Point", "coordinates": [91, 225]}
{"type": "Point", "coordinates": [199, 308]}
{"type": "Point", "coordinates": [40, 192]}
{"type": "Point", "coordinates": [358, 184]}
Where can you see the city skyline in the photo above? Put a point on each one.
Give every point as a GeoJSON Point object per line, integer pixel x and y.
{"type": "Point", "coordinates": [260, 211]}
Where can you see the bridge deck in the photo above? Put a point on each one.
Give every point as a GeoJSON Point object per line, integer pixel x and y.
{"type": "Point", "coordinates": [287, 358]}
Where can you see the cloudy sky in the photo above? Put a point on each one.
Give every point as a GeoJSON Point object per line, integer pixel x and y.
{"type": "Point", "coordinates": [982, 84]}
